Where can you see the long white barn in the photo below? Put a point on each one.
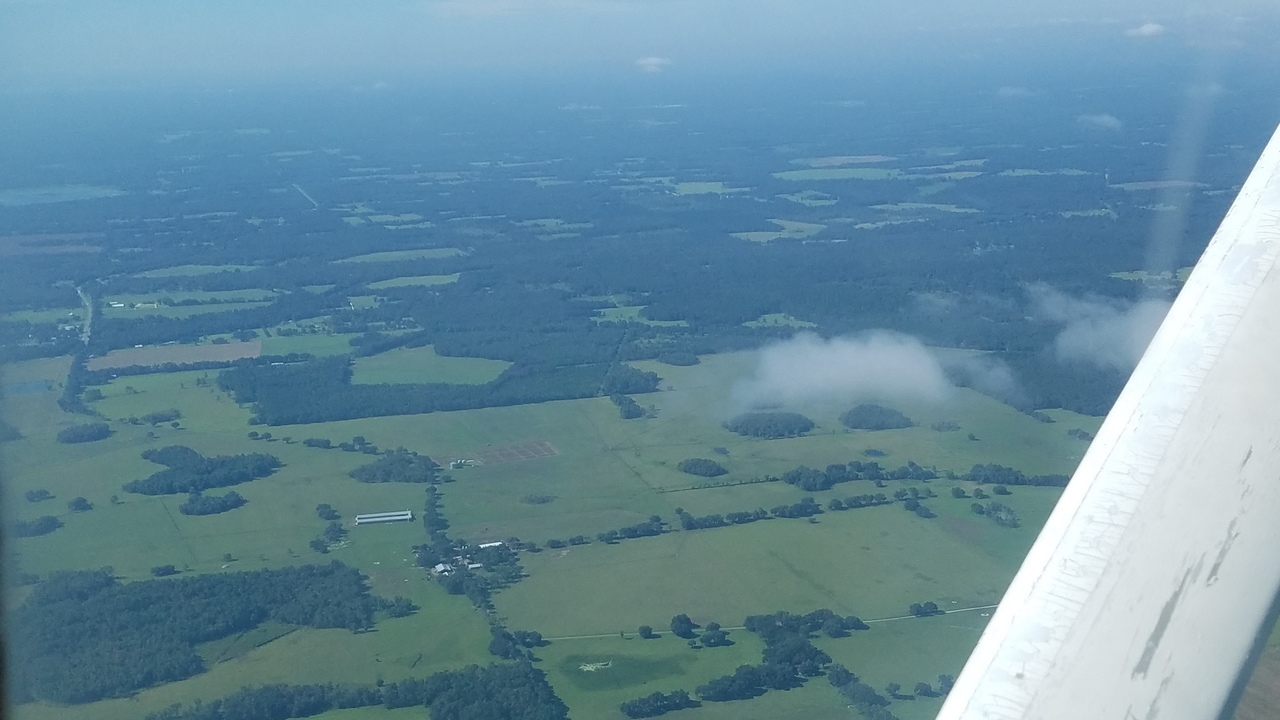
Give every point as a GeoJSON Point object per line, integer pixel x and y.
{"type": "Point", "coordinates": [384, 517]}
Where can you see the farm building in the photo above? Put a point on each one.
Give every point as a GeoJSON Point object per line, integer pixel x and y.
{"type": "Point", "coordinates": [482, 546]}
{"type": "Point", "coordinates": [384, 517]}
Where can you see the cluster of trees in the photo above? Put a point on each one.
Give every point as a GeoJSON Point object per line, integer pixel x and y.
{"type": "Point", "coordinates": [325, 511]}
{"type": "Point", "coordinates": [770, 425]}
{"type": "Point", "coordinates": [678, 358]}
{"type": "Point", "coordinates": [161, 416]}
{"type": "Point", "coordinates": [999, 513]}
{"type": "Point", "coordinates": [321, 390]}
{"type": "Point", "coordinates": [701, 467]}
{"type": "Point", "coordinates": [197, 503]}
{"type": "Point", "coordinates": [516, 691]}
{"type": "Point", "coordinates": [187, 471]}
{"type": "Point", "coordinates": [925, 609]}
{"type": "Point", "coordinates": [400, 465]}
{"type": "Point", "coordinates": [858, 501]}
{"type": "Point", "coordinates": [38, 495]}
{"type": "Point", "coordinates": [332, 534]}
{"type": "Point", "coordinates": [813, 480]}
{"type": "Point", "coordinates": [659, 703]}
{"type": "Point", "coordinates": [715, 520]}
{"type": "Point", "coordinates": [649, 528]}
{"type": "Point", "coordinates": [79, 504]}
{"type": "Point", "coordinates": [9, 433]}
{"type": "Point", "coordinates": [1009, 476]}
{"type": "Point", "coordinates": [874, 417]}
{"type": "Point", "coordinates": [515, 644]}
{"type": "Point", "coordinates": [789, 658]}
{"type": "Point", "coordinates": [86, 432]}
{"type": "Point", "coordinates": [944, 426]}
{"type": "Point", "coordinates": [628, 408]}
{"type": "Point", "coordinates": [807, 507]}
{"type": "Point", "coordinates": [42, 525]}
{"type": "Point", "coordinates": [83, 636]}
{"type": "Point", "coordinates": [862, 696]}
{"type": "Point", "coordinates": [575, 540]}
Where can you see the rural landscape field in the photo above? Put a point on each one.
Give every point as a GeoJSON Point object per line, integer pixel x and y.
{"type": "Point", "coordinates": [701, 402]}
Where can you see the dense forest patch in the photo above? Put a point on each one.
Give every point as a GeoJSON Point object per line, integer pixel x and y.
{"type": "Point", "coordinates": [770, 424]}
{"type": "Point", "coordinates": [83, 636]}
{"type": "Point", "coordinates": [188, 471]}
{"type": "Point", "coordinates": [87, 432]}
{"type": "Point", "coordinates": [398, 466]}
{"type": "Point", "coordinates": [702, 467]}
{"type": "Point", "coordinates": [874, 417]}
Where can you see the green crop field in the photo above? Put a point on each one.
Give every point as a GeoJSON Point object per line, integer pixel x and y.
{"type": "Point", "coordinates": [423, 365]}
{"type": "Point", "coordinates": [604, 473]}
{"type": "Point", "coordinates": [398, 255]}
{"type": "Point", "coordinates": [193, 270]}
{"type": "Point", "coordinates": [415, 281]}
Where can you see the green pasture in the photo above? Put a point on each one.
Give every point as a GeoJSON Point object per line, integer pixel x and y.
{"type": "Point", "coordinates": [787, 230]}
{"type": "Point", "coordinates": [907, 652]}
{"type": "Point", "coordinates": [415, 281]}
{"type": "Point", "coordinates": [193, 270]}
{"type": "Point", "coordinates": [810, 198]}
{"type": "Point", "coordinates": [620, 669]}
{"type": "Point", "coordinates": [399, 255]}
{"type": "Point", "coordinates": [18, 197]}
{"type": "Point", "coordinates": [313, 343]}
{"type": "Point", "coordinates": [871, 562]}
{"type": "Point", "coordinates": [631, 313]}
{"type": "Point", "coordinates": [779, 320]}
{"type": "Point", "coordinates": [423, 365]}
{"type": "Point", "coordinates": [52, 315]}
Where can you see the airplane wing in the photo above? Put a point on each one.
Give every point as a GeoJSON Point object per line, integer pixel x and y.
{"type": "Point", "coordinates": [1145, 594]}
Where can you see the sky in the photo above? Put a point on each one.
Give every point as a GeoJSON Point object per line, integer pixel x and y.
{"type": "Point", "coordinates": [60, 43]}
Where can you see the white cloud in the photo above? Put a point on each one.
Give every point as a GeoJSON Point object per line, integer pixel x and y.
{"type": "Point", "coordinates": [808, 370]}
{"type": "Point", "coordinates": [1104, 121]}
{"type": "Point", "coordinates": [652, 64]}
{"type": "Point", "coordinates": [1146, 30]}
{"type": "Point", "coordinates": [1098, 331]}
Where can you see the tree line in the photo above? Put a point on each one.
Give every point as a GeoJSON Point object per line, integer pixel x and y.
{"type": "Point", "coordinates": [517, 691]}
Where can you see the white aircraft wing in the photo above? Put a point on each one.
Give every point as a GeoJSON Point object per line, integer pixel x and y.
{"type": "Point", "coordinates": [1146, 592]}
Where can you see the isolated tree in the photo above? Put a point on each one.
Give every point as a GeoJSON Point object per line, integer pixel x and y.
{"type": "Point", "coordinates": [958, 492]}
{"type": "Point", "coordinates": [893, 689]}
{"type": "Point", "coordinates": [647, 632]}
{"type": "Point", "coordinates": [79, 505]}
{"type": "Point", "coordinates": [925, 689]}
{"type": "Point", "coordinates": [682, 626]}
{"type": "Point", "coordinates": [945, 683]}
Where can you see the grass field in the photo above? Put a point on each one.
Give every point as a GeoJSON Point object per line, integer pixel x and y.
{"type": "Point", "coordinates": [415, 281]}
{"type": "Point", "coordinates": [787, 230]}
{"type": "Point", "coordinates": [398, 255]}
{"type": "Point", "coordinates": [58, 315]}
{"type": "Point", "coordinates": [18, 197]}
{"type": "Point", "coordinates": [423, 365]}
{"type": "Point", "coordinates": [631, 313]}
{"type": "Point", "coordinates": [779, 320]}
{"type": "Point", "coordinates": [606, 473]}
{"type": "Point", "coordinates": [159, 355]}
{"type": "Point", "coordinates": [194, 270]}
